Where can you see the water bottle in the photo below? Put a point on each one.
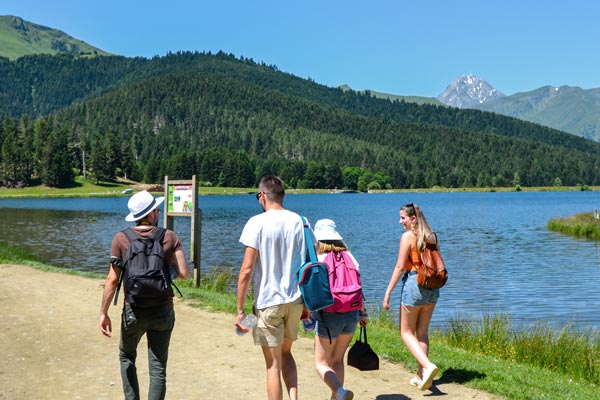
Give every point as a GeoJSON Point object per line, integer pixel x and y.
{"type": "Point", "coordinates": [248, 322]}
{"type": "Point", "coordinates": [309, 324]}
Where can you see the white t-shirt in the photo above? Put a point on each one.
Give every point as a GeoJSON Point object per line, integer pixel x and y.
{"type": "Point", "coordinates": [278, 235]}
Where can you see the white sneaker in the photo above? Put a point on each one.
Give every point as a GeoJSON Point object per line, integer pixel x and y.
{"type": "Point", "coordinates": [428, 374]}
{"type": "Point", "coordinates": [343, 394]}
{"type": "Point", "coordinates": [415, 381]}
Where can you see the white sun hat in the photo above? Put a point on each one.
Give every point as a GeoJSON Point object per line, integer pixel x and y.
{"type": "Point", "coordinates": [141, 204]}
{"type": "Point", "coordinates": [325, 230]}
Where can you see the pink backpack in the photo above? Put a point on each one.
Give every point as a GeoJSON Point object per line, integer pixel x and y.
{"type": "Point", "coordinates": [345, 283]}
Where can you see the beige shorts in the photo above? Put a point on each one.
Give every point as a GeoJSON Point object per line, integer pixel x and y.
{"type": "Point", "coordinates": [277, 323]}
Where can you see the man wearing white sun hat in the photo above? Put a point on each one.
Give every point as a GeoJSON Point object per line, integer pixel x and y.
{"type": "Point", "coordinates": [155, 321]}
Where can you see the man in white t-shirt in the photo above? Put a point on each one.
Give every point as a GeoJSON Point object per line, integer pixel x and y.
{"type": "Point", "coordinates": [275, 250]}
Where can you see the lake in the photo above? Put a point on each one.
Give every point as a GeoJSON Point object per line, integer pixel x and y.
{"type": "Point", "coordinates": [498, 251]}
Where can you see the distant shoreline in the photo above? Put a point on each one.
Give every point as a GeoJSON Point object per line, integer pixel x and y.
{"type": "Point", "coordinates": [86, 189]}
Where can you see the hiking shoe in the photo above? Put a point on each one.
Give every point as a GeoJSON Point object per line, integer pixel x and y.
{"type": "Point", "coordinates": [415, 381]}
{"type": "Point", "coordinates": [343, 394]}
{"type": "Point", "coordinates": [428, 374]}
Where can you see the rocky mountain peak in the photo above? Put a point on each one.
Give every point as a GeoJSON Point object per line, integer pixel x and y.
{"type": "Point", "coordinates": [468, 91]}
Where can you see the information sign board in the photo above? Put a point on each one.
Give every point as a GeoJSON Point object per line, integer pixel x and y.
{"type": "Point", "coordinates": [180, 198]}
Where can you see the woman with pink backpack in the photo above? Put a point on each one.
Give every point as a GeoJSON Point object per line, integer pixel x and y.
{"type": "Point", "coordinates": [335, 325]}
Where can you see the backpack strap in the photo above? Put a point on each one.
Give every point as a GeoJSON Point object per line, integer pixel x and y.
{"type": "Point", "coordinates": [309, 242]}
{"type": "Point", "coordinates": [431, 244]}
{"type": "Point", "coordinates": [131, 236]}
{"type": "Point", "coordinates": [158, 235]}
{"type": "Point", "coordinates": [432, 241]}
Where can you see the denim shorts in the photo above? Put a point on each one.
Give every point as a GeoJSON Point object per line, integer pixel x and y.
{"type": "Point", "coordinates": [336, 322]}
{"type": "Point", "coordinates": [415, 295]}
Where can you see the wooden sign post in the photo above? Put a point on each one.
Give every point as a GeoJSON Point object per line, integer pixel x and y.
{"type": "Point", "coordinates": [181, 201]}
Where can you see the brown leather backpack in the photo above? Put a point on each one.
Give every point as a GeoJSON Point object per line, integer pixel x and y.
{"type": "Point", "coordinates": [432, 272]}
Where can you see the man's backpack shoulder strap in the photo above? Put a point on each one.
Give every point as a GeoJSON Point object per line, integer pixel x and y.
{"type": "Point", "coordinates": [159, 234]}
{"type": "Point", "coordinates": [130, 234]}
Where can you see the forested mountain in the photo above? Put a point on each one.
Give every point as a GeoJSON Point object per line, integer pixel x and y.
{"type": "Point", "coordinates": [566, 108]}
{"type": "Point", "coordinates": [392, 97]}
{"type": "Point", "coordinates": [571, 109]}
{"type": "Point", "coordinates": [230, 120]}
{"type": "Point", "coordinates": [37, 85]}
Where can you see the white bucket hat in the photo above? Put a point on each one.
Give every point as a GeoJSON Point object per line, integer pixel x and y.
{"type": "Point", "coordinates": [141, 204]}
{"type": "Point", "coordinates": [325, 230]}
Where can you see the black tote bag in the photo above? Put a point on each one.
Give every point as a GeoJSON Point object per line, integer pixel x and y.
{"type": "Point", "coordinates": [361, 355]}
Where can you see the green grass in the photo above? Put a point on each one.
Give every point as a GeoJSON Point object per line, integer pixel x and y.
{"type": "Point", "coordinates": [87, 188]}
{"type": "Point", "coordinates": [16, 255]}
{"type": "Point", "coordinates": [578, 225]}
{"type": "Point", "coordinates": [82, 188]}
{"type": "Point", "coordinates": [488, 357]}
{"type": "Point", "coordinates": [486, 354]}
{"type": "Point", "coordinates": [12, 254]}
{"type": "Point", "coordinates": [564, 351]}
{"type": "Point", "coordinates": [19, 38]}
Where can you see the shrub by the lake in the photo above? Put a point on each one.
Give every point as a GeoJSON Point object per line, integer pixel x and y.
{"type": "Point", "coordinates": [10, 253]}
{"type": "Point", "coordinates": [579, 225]}
{"type": "Point", "coordinates": [567, 351]}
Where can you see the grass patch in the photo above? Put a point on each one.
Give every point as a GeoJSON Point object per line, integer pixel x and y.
{"type": "Point", "coordinates": [565, 351]}
{"type": "Point", "coordinates": [16, 255]}
{"type": "Point", "coordinates": [578, 225]}
{"type": "Point", "coordinates": [87, 188]}
{"type": "Point", "coordinates": [12, 254]}
{"type": "Point", "coordinates": [488, 355]}
{"type": "Point", "coordinates": [81, 188]}
{"type": "Point", "coordinates": [214, 292]}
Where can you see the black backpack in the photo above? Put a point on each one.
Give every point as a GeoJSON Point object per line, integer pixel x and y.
{"type": "Point", "coordinates": [145, 273]}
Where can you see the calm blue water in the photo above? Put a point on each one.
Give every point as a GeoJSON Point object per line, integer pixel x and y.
{"type": "Point", "coordinates": [498, 251]}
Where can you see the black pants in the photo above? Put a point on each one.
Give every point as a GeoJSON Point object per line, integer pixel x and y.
{"type": "Point", "coordinates": [157, 324]}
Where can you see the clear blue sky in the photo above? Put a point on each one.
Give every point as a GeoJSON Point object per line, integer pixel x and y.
{"type": "Point", "coordinates": [393, 46]}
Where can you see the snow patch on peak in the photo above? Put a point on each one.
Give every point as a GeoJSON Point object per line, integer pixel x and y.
{"type": "Point", "coordinates": [467, 91]}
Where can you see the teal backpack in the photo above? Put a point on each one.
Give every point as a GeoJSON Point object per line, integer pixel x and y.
{"type": "Point", "coordinates": [313, 277]}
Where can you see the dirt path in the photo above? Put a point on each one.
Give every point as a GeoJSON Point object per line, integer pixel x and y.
{"type": "Point", "coordinates": [51, 348]}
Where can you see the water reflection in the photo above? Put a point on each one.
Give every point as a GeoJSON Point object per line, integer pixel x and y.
{"type": "Point", "coordinates": [65, 238]}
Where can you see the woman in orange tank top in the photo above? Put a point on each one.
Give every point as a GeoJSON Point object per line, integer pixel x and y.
{"type": "Point", "coordinates": [417, 303]}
